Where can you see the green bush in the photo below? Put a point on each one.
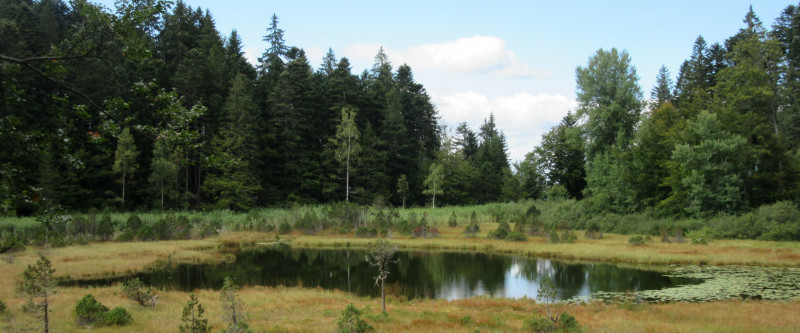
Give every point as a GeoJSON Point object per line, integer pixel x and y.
{"type": "Point", "coordinates": [284, 228]}
{"type": "Point", "coordinates": [366, 232]}
{"type": "Point", "coordinates": [182, 228]}
{"type": "Point", "coordinates": [2, 306]}
{"type": "Point", "coordinates": [135, 290]}
{"type": "Point", "coordinates": [126, 236]}
{"type": "Point", "coordinates": [89, 311]}
{"type": "Point", "coordinates": [567, 322]}
{"type": "Point", "coordinates": [133, 224]}
{"type": "Point", "coordinates": [105, 228]}
{"type": "Point", "coordinates": [538, 324]}
{"type": "Point", "coordinates": [554, 237]}
{"type": "Point", "coordinates": [453, 221]}
{"type": "Point", "coordinates": [146, 233]}
{"type": "Point", "coordinates": [208, 229]}
{"type": "Point", "coordinates": [118, 317]}
{"type": "Point", "coordinates": [350, 321]}
{"type": "Point", "coordinates": [515, 236]}
{"type": "Point", "coordinates": [701, 237]}
{"type": "Point", "coordinates": [10, 242]}
{"type": "Point", "coordinates": [781, 221]}
{"type": "Point", "coordinates": [501, 232]}
{"type": "Point", "coordinates": [636, 240]}
{"type": "Point", "coordinates": [162, 229]}
{"type": "Point", "coordinates": [472, 229]}
{"type": "Point", "coordinates": [568, 236]}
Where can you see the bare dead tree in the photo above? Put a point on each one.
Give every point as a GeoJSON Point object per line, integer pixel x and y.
{"type": "Point", "coordinates": [380, 256]}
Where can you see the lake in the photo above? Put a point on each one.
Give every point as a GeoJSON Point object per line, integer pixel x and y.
{"type": "Point", "coordinates": [417, 274]}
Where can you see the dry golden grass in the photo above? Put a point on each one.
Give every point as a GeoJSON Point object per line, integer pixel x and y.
{"type": "Point", "coordinates": [612, 248]}
{"type": "Point", "coordinates": [316, 310]}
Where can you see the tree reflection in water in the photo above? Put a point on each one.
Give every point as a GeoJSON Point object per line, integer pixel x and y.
{"type": "Point", "coordinates": [417, 274]}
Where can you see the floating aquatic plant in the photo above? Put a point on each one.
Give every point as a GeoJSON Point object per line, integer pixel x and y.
{"type": "Point", "coordinates": [719, 283]}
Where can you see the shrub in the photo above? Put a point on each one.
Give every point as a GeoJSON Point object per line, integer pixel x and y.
{"type": "Point", "coordinates": [636, 241]}
{"type": "Point", "coordinates": [308, 223]}
{"type": "Point", "coordinates": [284, 228]}
{"type": "Point", "coordinates": [133, 224]}
{"type": "Point", "coordinates": [90, 311]}
{"type": "Point", "coordinates": [554, 237]}
{"type": "Point", "coordinates": [501, 232]}
{"type": "Point", "coordinates": [118, 317]}
{"type": "Point", "coordinates": [350, 321]}
{"type": "Point", "coordinates": [182, 228]}
{"type": "Point", "coordinates": [538, 324]}
{"type": "Point", "coordinates": [10, 242]}
{"type": "Point", "coordinates": [567, 322]}
{"type": "Point", "coordinates": [162, 230]}
{"type": "Point", "coordinates": [2, 306]}
{"type": "Point", "coordinates": [472, 229]}
{"type": "Point", "coordinates": [136, 291]}
{"type": "Point", "coordinates": [146, 233]}
{"type": "Point", "coordinates": [366, 232]}
{"type": "Point", "coordinates": [515, 236]}
{"type": "Point", "coordinates": [105, 228]}
{"type": "Point", "coordinates": [781, 221]}
{"type": "Point", "coordinates": [208, 229]}
{"type": "Point", "coordinates": [568, 236]}
{"type": "Point", "coordinates": [593, 231]}
{"type": "Point", "coordinates": [700, 237]}
{"type": "Point", "coordinates": [453, 221]}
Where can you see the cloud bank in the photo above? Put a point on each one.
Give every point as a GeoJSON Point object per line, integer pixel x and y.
{"type": "Point", "coordinates": [522, 117]}
{"type": "Point", "coordinates": [468, 55]}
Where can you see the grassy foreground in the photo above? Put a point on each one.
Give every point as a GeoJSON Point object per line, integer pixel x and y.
{"type": "Point", "coordinates": [314, 310]}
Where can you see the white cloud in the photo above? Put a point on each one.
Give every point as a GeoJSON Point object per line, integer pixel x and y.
{"type": "Point", "coordinates": [314, 55]}
{"type": "Point", "coordinates": [522, 117]}
{"type": "Point", "coordinates": [252, 54]}
{"type": "Point", "coordinates": [478, 54]}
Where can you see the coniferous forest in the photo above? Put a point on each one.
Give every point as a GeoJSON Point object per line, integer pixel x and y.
{"type": "Point", "coordinates": [149, 107]}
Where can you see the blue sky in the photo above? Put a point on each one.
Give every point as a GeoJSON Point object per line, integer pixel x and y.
{"type": "Point", "coordinates": [516, 59]}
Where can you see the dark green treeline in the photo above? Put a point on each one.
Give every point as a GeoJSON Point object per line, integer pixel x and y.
{"type": "Point", "coordinates": [150, 107]}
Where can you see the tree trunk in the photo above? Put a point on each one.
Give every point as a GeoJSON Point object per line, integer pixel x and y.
{"type": "Point", "coordinates": [162, 196]}
{"type": "Point", "coordinates": [383, 295]}
{"type": "Point", "coordinates": [347, 181]}
{"type": "Point", "coordinates": [434, 193]}
{"type": "Point", "coordinates": [123, 186]}
{"type": "Point", "coordinates": [46, 317]}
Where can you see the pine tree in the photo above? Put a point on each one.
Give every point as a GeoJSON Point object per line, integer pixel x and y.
{"type": "Point", "coordinates": [235, 316]}
{"type": "Point", "coordinates": [39, 285]}
{"type": "Point", "coordinates": [192, 320]}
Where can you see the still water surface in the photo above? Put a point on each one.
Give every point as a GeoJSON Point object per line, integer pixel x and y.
{"type": "Point", "coordinates": [416, 274]}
